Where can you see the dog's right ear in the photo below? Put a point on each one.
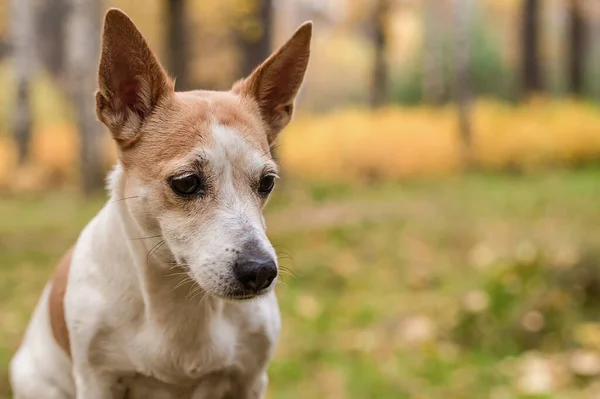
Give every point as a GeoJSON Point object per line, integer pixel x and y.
{"type": "Point", "coordinates": [275, 83]}
{"type": "Point", "coordinates": [131, 81]}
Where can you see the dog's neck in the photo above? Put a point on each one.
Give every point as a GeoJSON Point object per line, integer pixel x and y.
{"type": "Point", "coordinates": [164, 286]}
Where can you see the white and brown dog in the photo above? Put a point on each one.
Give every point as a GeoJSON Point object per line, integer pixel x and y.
{"type": "Point", "coordinates": [152, 301]}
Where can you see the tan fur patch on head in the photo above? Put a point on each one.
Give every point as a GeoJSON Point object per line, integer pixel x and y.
{"type": "Point", "coordinates": [56, 302]}
{"type": "Point", "coordinates": [183, 125]}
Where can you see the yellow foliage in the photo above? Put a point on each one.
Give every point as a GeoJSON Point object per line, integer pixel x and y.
{"type": "Point", "coordinates": [357, 144]}
{"type": "Point", "coordinates": [398, 142]}
{"type": "Point", "coordinates": [539, 133]}
{"type": "Point", "coordinates": [387, 144]}
{"type": "Point", "coordinates": [588, 335]}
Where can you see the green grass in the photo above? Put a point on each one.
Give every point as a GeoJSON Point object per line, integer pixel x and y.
{"type": "Point", "coordinates": [381, 273]}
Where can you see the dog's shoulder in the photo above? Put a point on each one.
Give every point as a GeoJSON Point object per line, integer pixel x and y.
{"type": "Point", "coordinates": [56, 301]}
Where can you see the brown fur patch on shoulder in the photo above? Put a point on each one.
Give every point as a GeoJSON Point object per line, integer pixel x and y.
{"type": "Point", "coordinates": [57, 302]}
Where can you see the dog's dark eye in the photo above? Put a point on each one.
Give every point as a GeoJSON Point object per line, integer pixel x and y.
{"type": "Point", "coordinates": [187, 185]}
{"type": "Point", "coordinates": [267, 182]}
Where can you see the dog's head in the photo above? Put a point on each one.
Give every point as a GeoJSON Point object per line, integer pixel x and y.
{"type": "Point", "coordinates": [199, 162]}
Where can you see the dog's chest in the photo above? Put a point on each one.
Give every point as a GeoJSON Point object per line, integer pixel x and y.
{"type": "Point", "coordinates": [185, 354]}
{"type": "Point", "coordinates": [191, 360]}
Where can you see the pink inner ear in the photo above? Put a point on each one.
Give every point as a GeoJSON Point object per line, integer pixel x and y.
{"type": "Point", "coordinates": [128, 91]}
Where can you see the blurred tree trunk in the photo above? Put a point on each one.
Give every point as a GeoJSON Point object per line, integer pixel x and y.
{"type": "Point", "coordinates": [433, 53]}
{"type": "Point", "coordinates": [531, 69]}
{"type": "Point", "coordinates": [463, 13]}
{"type": "Point", "coordinates": [5, 48]}
{"type": "Point", "coordinates": [51, 38]}
{"type": "Point", "coordinates": [255, 44]}
{"type": "Point", "coordinates": [23, 37]}
{"type": "Point", "coordinates": [578, 37]}
{"type": "Point", "coordinates": [592, 81]}
{"type": "Point", "coordinates": [379, 78]}
{"type": "Point", "coordinates": [178, 43]}
{"type": "Point", "coordinates": [83, 54]}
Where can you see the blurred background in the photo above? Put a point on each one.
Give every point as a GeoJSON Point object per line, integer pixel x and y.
{"type": "Point", "coordinates": [440, 201]}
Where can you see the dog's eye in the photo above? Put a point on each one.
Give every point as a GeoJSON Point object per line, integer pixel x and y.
{"type": "Point", "coordinates": [267, 182]}
{"type": "Point", "coordinates": [187, 185]}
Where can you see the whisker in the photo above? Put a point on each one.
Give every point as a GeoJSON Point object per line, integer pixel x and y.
{"type": "Point", "coordinates": [145, 238]}
{"type": "Point", "coordinates": [180, 282]}
{"type": "Point", "coordinates": [190, 289]}
{"type": "Point", "coordinates": [203, 298]}
{"type": "Point", "coordinates": [270, 150]}
{"type": "Point", "coordinates": [283, 277]}
{"type": "Point", "coordinates": [281, 282]}
{"type": "Point", "coordinates": [173, 266]}
{"type": "Point", "coordinates": [125, 198]}
{"type": "Point", "coordinates": [194, 289]}
{"type": "Point", "coordinates": [154, 249]}
{"type": "Point", "coordinates": [287, 272]}
{"type": "Point", "coordinates": [283, 254]}
{"type": "Point", "coordinates": [184, 281]}
{"type": "Point", "coordinates": [183, 266]}
{"type": "Point", "coordinates": [198, 292]}
{"type": "Point", "coordinates": [176, 274]}
{"type": "Point", "coordinates": [282, 259]}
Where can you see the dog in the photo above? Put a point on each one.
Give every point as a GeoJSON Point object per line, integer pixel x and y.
{"type": "Point", "coordinates": [168, 291]}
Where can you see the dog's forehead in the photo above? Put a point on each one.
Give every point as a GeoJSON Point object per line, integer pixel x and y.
{"type": "Point", "coordinates": [228, 143]}
{"type": "Point", "coordinates": [220, 128]}
{"type": "Point", "coordinates": [224, 116]}
{"type": "Point", "coordinates": [215, 125]}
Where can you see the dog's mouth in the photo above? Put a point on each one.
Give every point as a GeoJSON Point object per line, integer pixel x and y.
{"type": "Point", "coordinates": [243, 295]}
{"type": "Point", "coordinates": [232, 293]}
{"type": "Point", "coordinates": [240, 298]}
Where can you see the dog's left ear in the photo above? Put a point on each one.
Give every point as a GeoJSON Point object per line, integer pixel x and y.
{"type": "Point", "coordinates": [275, 83]}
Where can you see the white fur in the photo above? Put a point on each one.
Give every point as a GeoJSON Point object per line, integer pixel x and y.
{"type": "Point", "coordinates": [134, 326]}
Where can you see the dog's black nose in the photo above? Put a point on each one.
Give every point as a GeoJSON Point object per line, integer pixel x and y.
{"type": "Point", "coordinates": [257, 274]}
